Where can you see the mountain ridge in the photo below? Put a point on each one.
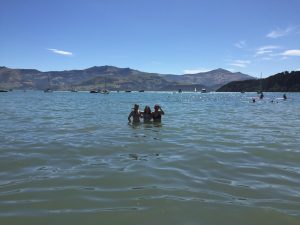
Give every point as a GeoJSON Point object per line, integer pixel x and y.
{"type": "Point", "coordinates": [115, 78]}
{"type": "Point", "coordinates": [280, 82]}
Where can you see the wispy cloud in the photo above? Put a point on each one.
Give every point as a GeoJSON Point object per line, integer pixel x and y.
{"type": "Point", "coordinates": [230, 69]}
{"type": "Point", "coordinates": [240, 63]}
{"type": "Point", "coordinates": [279, 32]}
{"type": "Point", "coordinates": [292, 52]}
{"type": "Point", "coordinates": [268, 49]}
{"type": "Point", "coordinates": [240, 44]}
{"type": "Point", "coordinates": [266, 58]}
{"type": "Point", "coordinates": [193, 71]}
{"type": "Point", "coordinates": [60, 52]}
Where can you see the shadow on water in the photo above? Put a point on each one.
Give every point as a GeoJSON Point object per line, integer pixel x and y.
{"type": "Point", "coordinates": [144, 134]}
{"type": "Point", "coordinates": [146, 125]}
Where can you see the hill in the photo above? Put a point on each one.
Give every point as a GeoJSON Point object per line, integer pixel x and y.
{"type": "Point", "coordinates": [212, 79]}
{"type": "Point", "coordinates": [115, 79]}
{"type": "Point", "coordinates": [281, 82]}
{"type": "Point", "coordinates": [91, 78]}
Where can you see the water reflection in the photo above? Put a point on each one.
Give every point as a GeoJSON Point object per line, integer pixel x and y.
{"type": "Point", "coordinates": [147, 125]}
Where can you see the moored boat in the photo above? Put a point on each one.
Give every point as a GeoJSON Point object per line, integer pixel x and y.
{"type": "Point", "coordinates": [105, 91]}
{"type": "Point", "coordinates": [48, 90]}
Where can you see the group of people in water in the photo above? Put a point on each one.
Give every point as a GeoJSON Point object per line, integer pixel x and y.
{"type": "Point", "coordinates": [262, 96]}
{"type": "Point", "coordinates": [146, 115]}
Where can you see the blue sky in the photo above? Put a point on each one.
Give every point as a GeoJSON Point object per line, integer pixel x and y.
{"type": "Point", "coordinates": [163, 36]}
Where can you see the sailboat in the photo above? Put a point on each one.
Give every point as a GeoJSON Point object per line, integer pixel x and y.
{"type": "Point", "coordinates": [73, 89]}
{"type": "Point", "coordinates": [104, 91]}
{"type": "Point", "coordinates": [48, 90]}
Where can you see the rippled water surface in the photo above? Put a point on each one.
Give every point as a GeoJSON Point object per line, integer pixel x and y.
{"type": "Point", "coordinates": [217, 158]}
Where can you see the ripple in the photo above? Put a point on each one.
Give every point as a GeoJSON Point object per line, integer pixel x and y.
{"type": "Point", "coordinates": [75, 157]}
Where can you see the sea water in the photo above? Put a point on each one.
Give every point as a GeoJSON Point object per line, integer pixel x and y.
{"type": "Point", "coordinates": [216, 158]}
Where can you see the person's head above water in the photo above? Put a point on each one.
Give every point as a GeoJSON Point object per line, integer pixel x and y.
{"type": "Point", "coordinates": [147, 109]}
{"type": "Point", "coordinates": [136, 107]}
{"type": "Point", "coordinates": [156, 107]}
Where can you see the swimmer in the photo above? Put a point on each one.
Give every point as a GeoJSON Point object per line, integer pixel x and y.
{"type": "Point", "coordinates": [261, 96]}
{"type": "Point", "coordinates": [284, 97]}
{"type": "Point", "coordinates": [157, 114]}
{"type": "Point", "coordinates": [147, 115]}
{"type": "Point", "coordinates": [135, 114]}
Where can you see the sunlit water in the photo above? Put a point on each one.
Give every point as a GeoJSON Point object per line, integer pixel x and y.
{"type": "Point", "coordinates": [217, 158]}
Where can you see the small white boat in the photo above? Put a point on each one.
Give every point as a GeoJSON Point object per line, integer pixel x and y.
{"type": "Point", "coordinates": [48, 90]}
{"type": "Point", "coordinates": [105, 91]}
{"type": "Point", "coordinates": [203, 90]}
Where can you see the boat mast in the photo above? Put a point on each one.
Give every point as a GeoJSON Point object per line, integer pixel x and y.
{"type": "Point", "coordinates": [260, 82]}
{"type": "Point", "coordinates": [49, 86]}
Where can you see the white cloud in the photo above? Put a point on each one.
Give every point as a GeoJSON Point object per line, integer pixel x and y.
{"type": "Point", "coordinates": [240, 63]}
{"type": "Point", "coordinates": [240, 44]}
{"type": "Point", "coordinates": [266, 49]}
{"type": "Point", "coordinates": [266, 58]}
{"type": "Point", "coordinates": [60, 52]}
{"type": "Point", "coordinates": [193, 71]}
{"type": "Point", "coordinates": [243, 61]}
{"type": "Point", "coordinates": [292, 52]}
{"type": "Point", "coordinates": [278, 32]}
{"type": "Point", "coordinates": [231, 69]}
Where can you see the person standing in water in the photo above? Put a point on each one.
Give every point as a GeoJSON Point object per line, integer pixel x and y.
{"type": "Point", "coordinates": [261, 95]}
{"type": "Point", "coordinates": [158, 112]}
{"type": "Point", "coordinates": [284, 97]}
{"type": "Point", "coordinates": [147, 115]}
{"type": "Point", "coordinates": [135, 114]}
